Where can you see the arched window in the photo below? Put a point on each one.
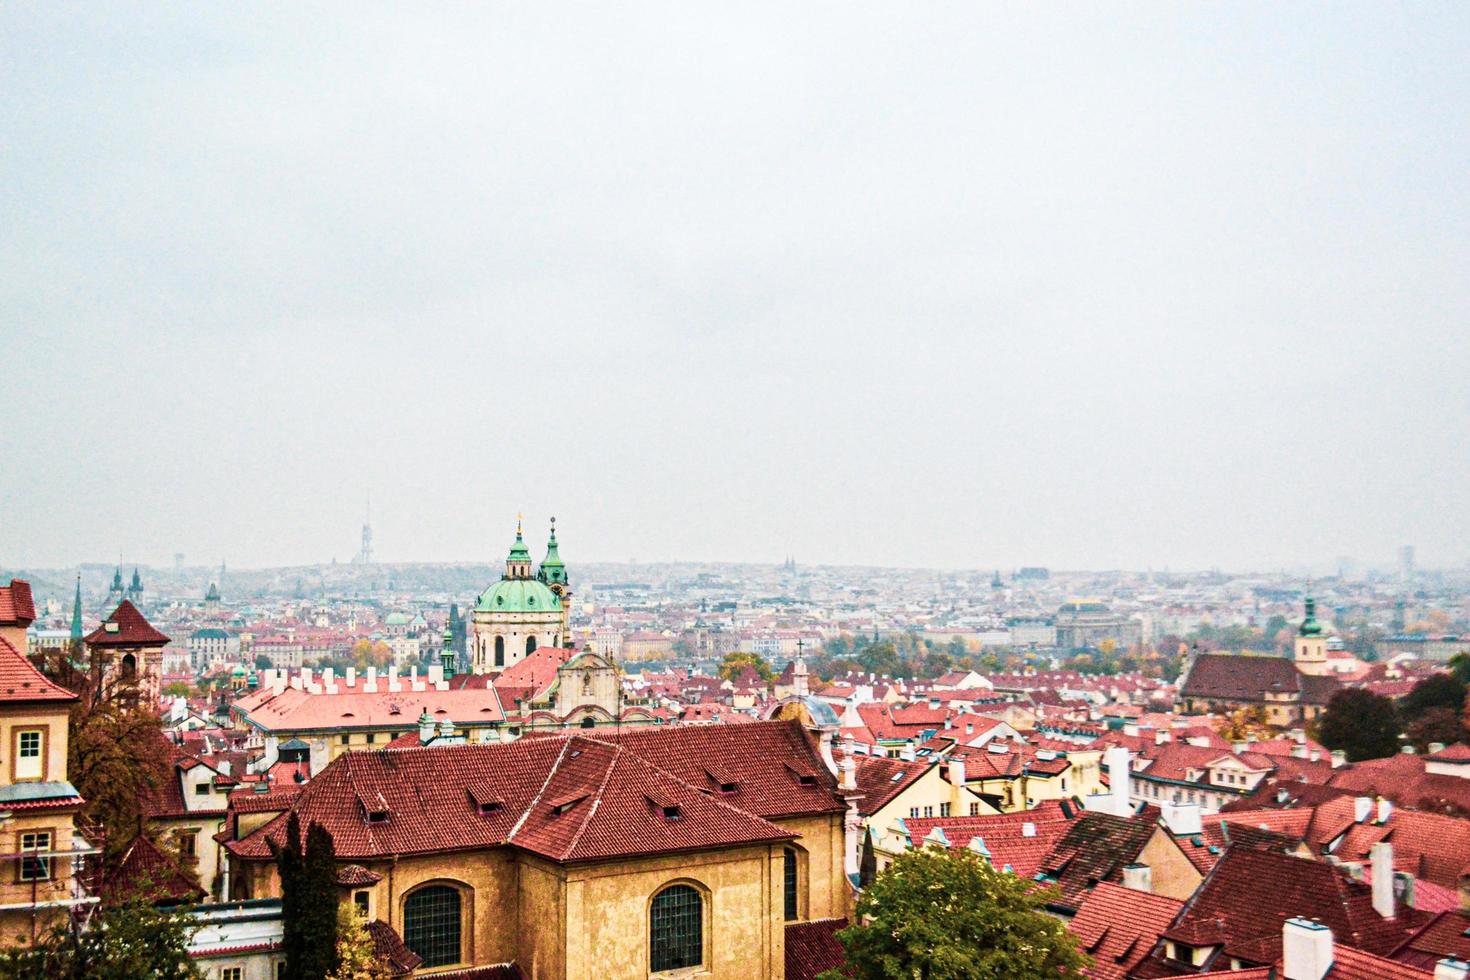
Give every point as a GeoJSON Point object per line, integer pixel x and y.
{"type": "Point", "coordinates": [790, 882]}
{"type": "Point", "coordinates": [589, 722]}
{"type": "Point", "coordinates": [129, 666]}
{"type": "Point", "coordinates": [500, 651]}
{"type": "Point", "coordinates": [530, 645]}
{"type": "Point", "coordinates": [676, 929]}
{"type": "Point", "coordinates": [431, 924]}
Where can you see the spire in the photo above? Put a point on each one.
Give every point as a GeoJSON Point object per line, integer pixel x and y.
{"type": "Point", "coordinates": [1310, 626]}
{"type": "Point", "coordinates": [117, 585]}
{"type": "Point", "coordinates": [76, 612]}
{"type": "Point", "coordinates": [518, 562]}
{"type": "Point", "coordinates": [553, 571]}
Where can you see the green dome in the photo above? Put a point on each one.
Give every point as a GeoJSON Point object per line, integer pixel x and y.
{"type": "Point", "coordinates": [396, 619]}
{"type": "Point", "coordinates": [517, 595]}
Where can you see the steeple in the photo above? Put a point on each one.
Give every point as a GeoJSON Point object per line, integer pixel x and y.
{"type": "Point", "coordinates": [76, 614]}
{"type": "Point", "coordinates": [518, 562]}
{"type": "Point", "coordinates": [447, 657]}
{"type": "Point", "coordinates": [1310, 652]}
{"type": "Point", "coordinates": [115, 590]}
{"type": "Point", "coordinates": [135, 590]}
{"type": "Point", "coordinates": [1310, 626]}
{"type": "Point", "coordinates": [553, 572]}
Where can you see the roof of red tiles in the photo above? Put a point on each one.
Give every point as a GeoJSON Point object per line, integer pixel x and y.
{"type": "Point", "coordinates": [1447, 934]}
{"type": "Point", "coordinates": [21, 682]}
{"type": "Point", "coordinates": [813, 947]}
{"type": "Point", "coordinates": [126, 627]}
{"type": "Point", "coordinates": [1118, 927]}
{"type": "Point", "coordinates": [1232, 677]}
{"type": "Point", "coordinates": [16, 605]}
{"type": "Point", "coordinates": [388, 948]}
{"type": "Point", "coordinates": [1095, 848]}
{"type": "Point", "coordinates": [145, 866]}
{"type": "Point", "coordinates": [570, 799]}
{"type": "Point", "coordinates": [880, 779]}
{"type": "Point", "coordinates": [295, 709]}
{"type": "Point", "coordinates": [1004, 835]}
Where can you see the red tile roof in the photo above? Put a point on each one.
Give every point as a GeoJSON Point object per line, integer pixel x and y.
{"type": "Point", "coordinates": [813, 947]}
{"type": "Point", "coordinates": [16, 605]}
{"type": "Point", "coordinates": [1095, 848]}
{"type": "Point", "coordinates": [567, 798]}
{"type": "Point", "coordinates": [388, 948]}
{"type": "Point", "coordinates": [1447, 934]}
{"type": "Point", "coordinates": [1229, 677]}
{"type": "Point", "coordinates": [1004, 835]}
{"type": "Point", "coordinates": [147, 869]}
{"type": "Point", "coordinates": [1118, 927]}
{"type": "Point", "coordinates": [21, 682]}
{"type": "Point", "coordinates": [880, 779]}
{"type": "Point", "coordinates": [126, 627]}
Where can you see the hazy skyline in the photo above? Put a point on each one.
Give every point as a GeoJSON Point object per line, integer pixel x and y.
{"type": "Point", "coordinates": [941, 285]}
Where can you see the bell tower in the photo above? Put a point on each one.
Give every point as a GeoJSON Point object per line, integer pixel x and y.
{"type": "Point", "coordinates": [1311, 645]}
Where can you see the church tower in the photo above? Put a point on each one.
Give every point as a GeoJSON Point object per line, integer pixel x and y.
{"type": "Point", "coordinates": [553, 575]}
{"type": "Point", "coordinates": [1311, 645]}
{"type": "Point", "coordinates": [515, 616]}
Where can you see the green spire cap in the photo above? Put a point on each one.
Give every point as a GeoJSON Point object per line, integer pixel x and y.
{"type": "Point", "coordinates": [1310, 626]}
{"type": "Point", "coordinates": [518, 551]}
{"type": "Point", "coordinates": [76, 611]}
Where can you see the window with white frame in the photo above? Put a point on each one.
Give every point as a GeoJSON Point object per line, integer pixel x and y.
{"type": "Point", "coordinates": [37, 867]}
{"type": "Point", "coordinates": [29, 757]}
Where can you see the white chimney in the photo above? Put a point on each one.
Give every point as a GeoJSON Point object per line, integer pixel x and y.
{"type": "Point", "coordinates": [306, 680]}
{"type": "Point", "coordinates": [393, 684]}
{"type": "Point", "coordinates": [1362, 807]}
{"type": "Point", "coordinates": [848, 769]}
{"type": "Point", "coordinates": [371, 685]}
{"type": "Point", "coordinates": [1306, 950]}
{"type": "Point", "coordinates": [906, 753]}
{"type": "Point", "coordinates": [436, 673]}
{"type": "Point", "coordinates": [957, 773]}
{"type": "Point", "coordinates": [1381, 854]}
{"type": "Point", "coordinates": [1315, 755]}
{"type": "Point", "coordinates": [1182, 819]}
{"type": "Point", "coordinates": [1339, 758]}
{"type": "Point", "coordinates": [1161, 737]}
{"type": "Point", "coordinates": [1139, 877]}
{"type": "Point", "coordinates": [1450, 968]}
{"type": "Point", "coordinates": [1120, 771]}
{"type": "Point", "coordinates": [268, 677]}
{"type": "Point", "coordinates": [1028, 829]}
{"type": "Point", "coordinates": [414, 684]}
{"type": "Point", "coordinates": [351, 676]}
{"type": "Point", "coordinates": [1385, 809]}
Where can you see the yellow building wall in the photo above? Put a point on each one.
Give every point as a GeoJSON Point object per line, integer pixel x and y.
{"type": "Point", "coordinates": [23, 925]}
{"type": "Point", "coordinates": [52, 719]}
{"type": "Point", "coordinates": [1171, 872]}
{"type": "Point", "coordinates": [541, 951]}
{"type": "Point", "coordinates": [827, 894]}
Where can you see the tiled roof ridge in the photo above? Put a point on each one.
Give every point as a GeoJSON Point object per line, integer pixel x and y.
{"type": "Point", "coordinates": [708, 797]}
{"type": "Point", "coordinates": [607, 772]}
{"type": "Point", "coordinates": [515, 828]}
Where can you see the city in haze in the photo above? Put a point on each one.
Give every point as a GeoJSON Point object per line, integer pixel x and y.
{"type": "Point", "coordinates": [662, 491]}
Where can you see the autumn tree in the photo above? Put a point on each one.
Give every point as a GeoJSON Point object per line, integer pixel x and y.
{"type": "Point", "coordinates": [356, 957]}
{"type": "Point", "coordinates": [1434, 725]}
{"type": "Point", "coordinates": [1362, 724]}
{"type": "Point", "coordinates": [122, 941]}
{"type": "Point", "coordinates": [117, 756]}
{"type": "Point", "coordinates": [1435, 691]}
{"type": "Point", "coordinates": [949, 915]}
{"type": "Point", "coordinates": [735, 663]}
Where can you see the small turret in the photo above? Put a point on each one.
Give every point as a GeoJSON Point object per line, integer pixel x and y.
{"type": "Point", "coordinates": [1311, 645]}
{"type": "Point", "coordinates": [518, 562]}
{"type": "Point", "coordinates": [426, 728]}
{"type": "Point", "coordinates": [553, 571]}
{"type": "Point", "coordinates": [76, 615]}
{"type": "Point", "coordinates": [115, 590]}
{"type": "Point", "coordinates": [447, 657]}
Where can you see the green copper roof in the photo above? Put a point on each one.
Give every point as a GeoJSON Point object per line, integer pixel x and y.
{"type": "Point", "coordinates": [1310, 626]}
{"type": "Point", "coordinates": [76, 612]}
{"type": "Point", "coordinates": [518, 551]}
{"type": "Point", "coordinates": [517, 595]}
{"type": "Point", "coordinates": [552, 569]}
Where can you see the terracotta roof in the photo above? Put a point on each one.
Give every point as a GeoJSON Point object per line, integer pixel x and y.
{"type": "Point", "coordinates": [1205, 849]}
{"type": "Point", "coordinates": [16, 605]}
{"type": "Point", "coordinates": [1250, 894]}
{"type": "Point", "coordinates": [1003, 835]}
{"type": "Point", "coordinates": [145, 865]}
{"type": "Point", "coordinates": [1228, 677]}
{"type": "Point", "coordinates": [1118, 927]}
{"type": "Point", "coordinates": [1457, 753]}
{"type": "Point", "coordinates": [389, 949]}
{"type": "Point", "coordinates": [126, 627]}
{"type": "Point", "coordinates": [296, 710]}
{"type": "Point", "coordinates": [1095, 848]}
{"type": "Point", "coordinates": [1447, 934]}
{"type": "Point", "coordinates": [355, 876]}
{"type": "Point", "coordinates": [880, 779]}
{"type": "Point", "coordinates": [21, 682]}
{"type": "Point", "coordinates": [1402, 779]}
{"type": "Point", "coordinates": [571, 798]}
{"type": "Point", "coordinates": [812, 947]}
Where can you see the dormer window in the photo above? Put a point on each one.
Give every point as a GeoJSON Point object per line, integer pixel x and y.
{"type": "Point", "coordinates": [562, 804]}
{"type": "Point", "coordinates": [377, 816]}
{"type": "Point", "coordinates": [671, 812]}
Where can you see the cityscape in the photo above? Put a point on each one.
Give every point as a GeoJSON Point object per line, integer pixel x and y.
{"type": "Point", "coordinates": [964, 492]}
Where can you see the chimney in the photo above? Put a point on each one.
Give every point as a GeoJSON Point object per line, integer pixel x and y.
{"type": "Point", "coordinates": [268, 677]}
{"type": "Point", "coordinates": [1381, 854]}
{"type": "Point", "coordinates": [1339, 758]}
{"type": "Point", "coordinates": [1362, 807]}
{"type": "Point", "coordinates": [1238, 746]}
{"type": "Point", "coordinates": [848, 769]}
{"type": "Point", "coordinates": [1182, 819]}
{"type": "Point", "coordinates": [393, 684]}
{"type": "Point", "coordinates": [1450, 968]}
{"type": "Point", "coordinates": [1435, 747]}
{"type": "Point", "coordinates": [1028, 829]}
{"type": "Point", "coordinates": [370, 686]}
{"type": "Point", "coordinates": [1161, 737]}
{"type": "Point", "coordinates": [907, 752]}
{"type": "Point", "coordinates": [1306, 950]}
{"type": "Point", "coordinates": [351, 676]}
{"type": "Point", "coordinates": [426, 728]}
{"type": "Point", "coordinates": [1315, 755]}
{"type": "Point", "coordinates": [1139, 877]}
{"type": "Point", "coordinates": [1385, 809]}
{"type": "Point", "coordinates": [306, 680]}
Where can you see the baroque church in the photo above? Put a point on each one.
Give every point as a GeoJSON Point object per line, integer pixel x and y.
{"type": "Point", "coordinates": [525, 610]}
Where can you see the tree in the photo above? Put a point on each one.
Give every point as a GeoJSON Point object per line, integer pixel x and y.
{"type": "Point", "coordinates": [1362, 724]}
{"type": "Point", "coordinates": [1435, 725]}
{"type": "Point", "coordinates": [734, 665]}
{"type": "Point", "coordinates": [1460, 668]}
{"type": "Point", "coordinates": [1436, 691]}
{"type": "Point", "coordinates": [356, 957]}
{"type": "Point", "coordinates": [116, 756]}
{"type": "Point", "coordinates": [123, 941]}
{"type": "Point", "coordinates": [308, 901]}
{"type": "Point", "coordinates": [948, 915]}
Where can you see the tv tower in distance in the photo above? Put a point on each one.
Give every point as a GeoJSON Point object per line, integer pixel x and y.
{"type": "Point", "coordinates": [365, 555]}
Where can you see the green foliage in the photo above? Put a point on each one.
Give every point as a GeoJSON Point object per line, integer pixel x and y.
{"type": "Point", "coordinates": [1362, 724]}
{"type": "Point", "coordinates": [1460, 668]}
{"type": "Point", "coordinates": [125, 941]}
{"type": "Point", "coordinates": [1437, 691]}
{"type": "Point", "coordinates": [948, 915]}
{"type": "Point", "coordinates": [734, 665]}
{"type": "Point", "coordinates": [308, 901]}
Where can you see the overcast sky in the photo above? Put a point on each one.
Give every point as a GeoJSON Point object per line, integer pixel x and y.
{"type": "Point", "coordinates": [956, 285]}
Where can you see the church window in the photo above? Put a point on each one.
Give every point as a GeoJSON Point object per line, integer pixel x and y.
{"type": "Point", "coordinates": [431, 924]}
{"type": "Point", "coordinates": [789, 883]}
{"type": "Point", "coordinates": [589, 722]}
{"type": "Point", "coordinates": [500, 651]}
{"type": "Point", "coordinates": [530, 645]}
{"type": "Point", "coordinates": [129, 667]}
{"type": "Point", "coordinates": [676, 929]}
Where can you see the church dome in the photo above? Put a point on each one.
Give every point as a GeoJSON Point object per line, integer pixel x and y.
{"type": "Point", "coordinates": [518, 595]}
